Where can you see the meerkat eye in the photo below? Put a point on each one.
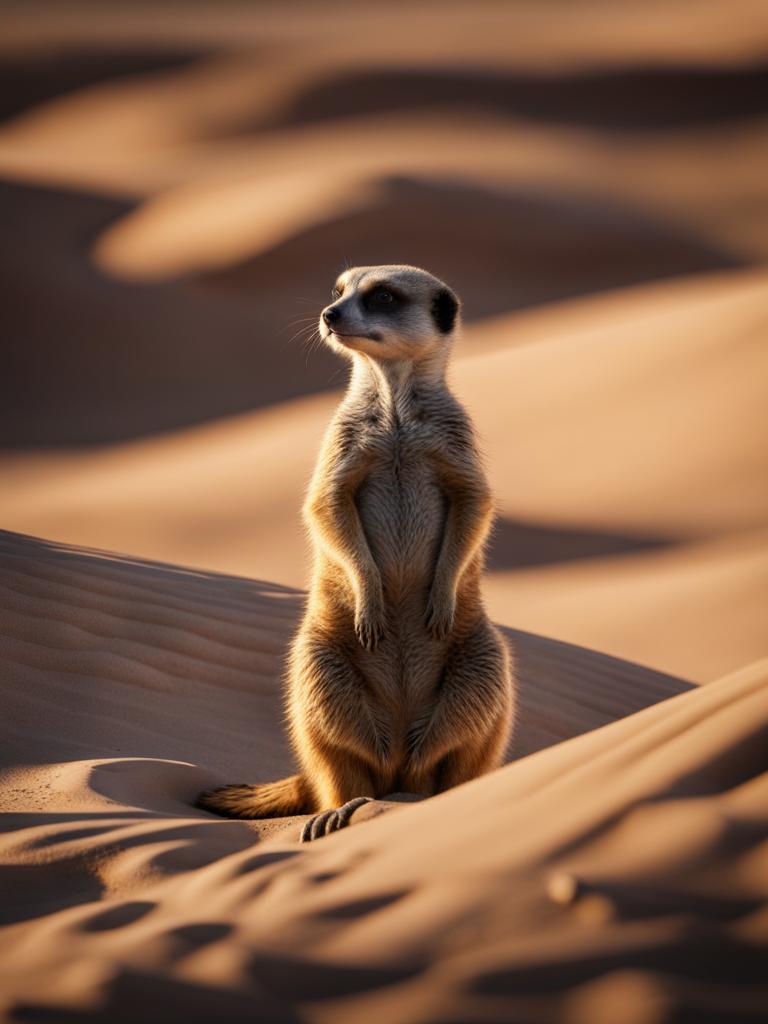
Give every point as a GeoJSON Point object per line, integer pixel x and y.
{"type": "Point", "coordinates": [335, 292]}
{"type": "Point", "coordinates": [380, 299]}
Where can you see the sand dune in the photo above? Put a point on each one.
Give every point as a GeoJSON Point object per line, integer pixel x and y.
{"type": "Point", "coordinates": [622, 865]}
{"type": "Point", "coordinates": [180, 184]}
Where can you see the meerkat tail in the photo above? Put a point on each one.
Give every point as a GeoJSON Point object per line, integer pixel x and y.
{"type": "Point", "coordinates": [261, 800]}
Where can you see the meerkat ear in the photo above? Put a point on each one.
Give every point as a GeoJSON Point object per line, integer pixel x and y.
{"type": "Point", "coordinates": [445, 306]}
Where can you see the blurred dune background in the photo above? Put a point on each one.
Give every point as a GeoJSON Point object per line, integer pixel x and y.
{"type": "Point", "coordinates": [180, 184]}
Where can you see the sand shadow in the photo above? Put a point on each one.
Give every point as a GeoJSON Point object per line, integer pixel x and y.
{"type": "Point", "coordinates": [51, 888]}
{"type": "Point", "coordinates": [690, 954]}
{"type": "Point", "coordinates": [66, 878]}
{"type": "Point", "coordinates": [515, 544]}
{"type": "Point", "coordinates": [120, 916]}
{"type": "Point", "coordinates": [135, 995]}
{"type": "Point", "coordinates": [299, 980]}
{"type": "Point", "coordinates": [637, 99]}
{"type": "Point", "coordinates": [30, 79]}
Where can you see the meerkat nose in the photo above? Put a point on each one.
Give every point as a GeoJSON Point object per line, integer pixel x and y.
{"type": "Point", "coordinates": [331, 315]}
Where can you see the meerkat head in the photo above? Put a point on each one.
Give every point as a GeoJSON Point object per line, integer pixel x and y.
{"type": "Point", "coordinates": [390, 312]}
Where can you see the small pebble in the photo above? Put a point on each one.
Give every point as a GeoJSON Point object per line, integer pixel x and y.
{"type": "Point", "coordinates": [563, 888]}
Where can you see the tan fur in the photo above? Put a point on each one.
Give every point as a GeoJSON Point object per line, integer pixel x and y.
{"type": "Point", "coordinates": [397, 680]}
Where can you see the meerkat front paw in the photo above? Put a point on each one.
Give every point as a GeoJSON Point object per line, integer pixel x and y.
{"type": "Point", "coordinates": [441, 611]}
{"type": "Point", "coordinates": [370, 623]}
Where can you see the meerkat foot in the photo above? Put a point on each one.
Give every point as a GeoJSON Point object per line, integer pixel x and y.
{"type": "Point", "coordinates": [331, 821]}
{"type": "Point", "coordinates": [439, 616]}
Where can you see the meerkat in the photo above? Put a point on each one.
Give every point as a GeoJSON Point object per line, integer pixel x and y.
{"type": "Point", "coordinates": [397, 681]}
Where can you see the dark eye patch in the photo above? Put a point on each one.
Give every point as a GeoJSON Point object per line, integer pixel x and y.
{"type": "Point", "coordinates": [382, 298]}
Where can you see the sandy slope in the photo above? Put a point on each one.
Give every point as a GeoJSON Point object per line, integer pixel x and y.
{"type": "Point", "coordinates": [623, 867]}
{"type": "Point", "coordinates": [693, 609]}
{"type": "Point", "coordinates": [626, 444]}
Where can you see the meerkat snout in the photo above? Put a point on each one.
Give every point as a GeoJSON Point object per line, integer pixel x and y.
{"type": "Point", "coordinates": [390, 312]}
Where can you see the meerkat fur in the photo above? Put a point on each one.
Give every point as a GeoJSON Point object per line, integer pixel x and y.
{"type": "Point", "coordinates": [396, 679]}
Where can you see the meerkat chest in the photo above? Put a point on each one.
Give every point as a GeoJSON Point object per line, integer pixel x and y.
{"type": "Point", "coordinates": [401, 504]}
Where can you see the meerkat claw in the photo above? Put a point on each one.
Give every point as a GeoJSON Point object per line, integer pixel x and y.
{"type": "Point", "coordinates": [315, 827]}
{"type": "Point", "coordinates": [369, 635]}
{"type": "Point", "coordinates": [325, 823]}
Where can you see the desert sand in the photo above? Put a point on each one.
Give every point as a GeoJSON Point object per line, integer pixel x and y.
{"type": "Point", "coordinates": [622, 864]}
{"type": "Point", "coordinates": [179, 186]}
